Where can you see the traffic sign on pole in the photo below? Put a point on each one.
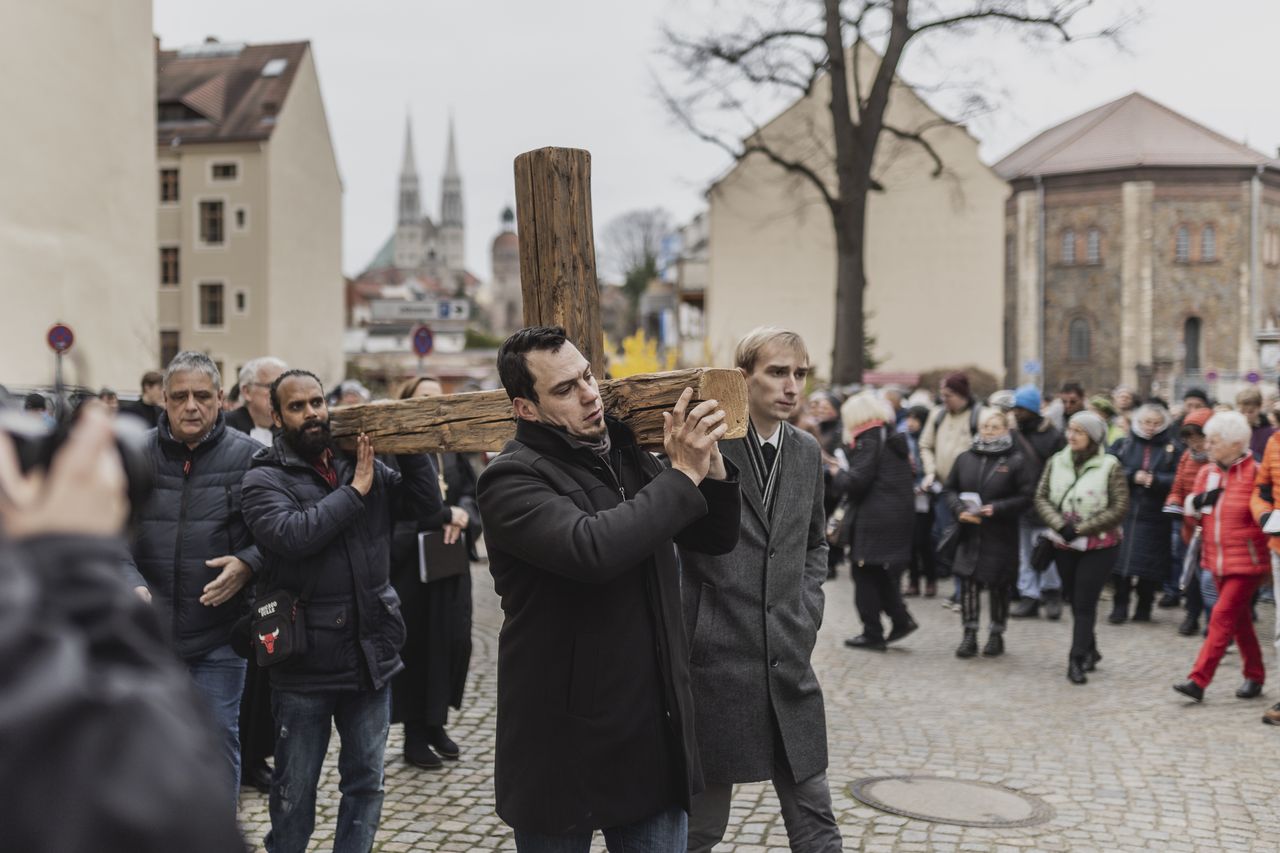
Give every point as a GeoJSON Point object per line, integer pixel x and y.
{"type": "Point", "coordinates": [60, 338]}
{"type": "Point", "coordinates": [423, 341]}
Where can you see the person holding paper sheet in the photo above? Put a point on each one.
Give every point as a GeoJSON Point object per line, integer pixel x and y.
{"type": "Point", "coordinates": [1234, 550]}
{"type": "Point", "coordinates": [1083, 497]}
{"type": "Point", "coordinates": [989, 487]}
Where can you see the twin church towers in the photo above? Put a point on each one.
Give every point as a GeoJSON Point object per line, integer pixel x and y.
{"type": "Point", "coordinates": [435, 247]}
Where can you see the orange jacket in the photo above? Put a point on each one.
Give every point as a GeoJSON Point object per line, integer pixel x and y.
{"type": "Point", "coordinates": [1268, 478]}
{"type": "Point", "coordinates": [1233, 543]}
{"type": "Point", "coordinates": [1184, 481]}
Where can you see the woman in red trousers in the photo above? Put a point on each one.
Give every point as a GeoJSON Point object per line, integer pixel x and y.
{"type": "Point", "coordinates": [1234, 550]}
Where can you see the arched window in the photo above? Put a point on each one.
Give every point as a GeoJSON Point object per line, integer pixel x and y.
{"type": "Point", "coordinates": [1182, 245]}
{"type": "Point", "coordinates": [1078, 340]}
{"type": "Point", "coordinates": [1208, 244]}
{"type": "Point", "coordinates": [1093, 246]}
{"type": "Point", "coordinates": [1191, 344]}
{"type": "Point", "coordinates": [1069, 246]}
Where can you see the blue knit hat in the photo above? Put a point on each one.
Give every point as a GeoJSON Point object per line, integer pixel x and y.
{"type": "Point", "coordinates": [1027, 397]}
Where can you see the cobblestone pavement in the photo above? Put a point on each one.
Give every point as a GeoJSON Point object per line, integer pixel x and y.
{"type": "Point", "coordinates": [1125, 762]}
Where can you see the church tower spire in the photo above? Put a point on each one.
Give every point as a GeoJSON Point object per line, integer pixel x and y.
{"type": "Point", "coordinates": [410, 208]}
{"type": "Point", "coordinates": [452, 226]}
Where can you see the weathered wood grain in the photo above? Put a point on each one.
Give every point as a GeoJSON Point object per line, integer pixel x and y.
{"type": "Point", "coordinates": [557, 247]}
{"type": "Point", "coordinates": [482, 420]}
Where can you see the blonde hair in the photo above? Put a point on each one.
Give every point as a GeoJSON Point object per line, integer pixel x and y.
{"type": "Point", "coordinates": [993, 414]}
{"type": "Point", "coordinates": [862, 409]}
{"type": "Point", "coordinates": [1249, 397]}
{"type": "Point", "coordinates": [749, 348]}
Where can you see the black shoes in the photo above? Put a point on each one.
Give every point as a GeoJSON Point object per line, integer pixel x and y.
{"type": "Point", "coordinates": [257, 777]}
{"type": "Point", "coordinates": [862, 641]}
{"type": "Point", "coordinates": [902, 630]}
{"type": "Point", "coordinates": [1189, 627]}
{"type": "Point", "coordinates": [1026, 608]}
{"type": "Point", "coordinates": [969, 645]}
{"type": "Point", "coordinates": [1053, 604]}
{"type": "Point", "coordinates": [1168, 600]}
{"type": "Point", "coordinates": [1142, 614]}
{"type": "Point", "coordinates": [1075, 671]}
{"type": "Point", "coordinates": [442, 744]}
{"type": "Point", "coordinates": [1119, 616]}
{"type": "Point", "coordinates": [994, 647]}
{"type": "Point", "coordinates": [1191, 690]}
{"type": "Point", "coordinates": [1092, 660]}
{"type": "Point", "coordinates": [1249, 690]}
{"type": "Point", "coordinates": [417, 748]}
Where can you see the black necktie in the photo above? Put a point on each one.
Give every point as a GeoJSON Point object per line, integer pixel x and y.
{"type": "Point", "coordinates": [770, 453]}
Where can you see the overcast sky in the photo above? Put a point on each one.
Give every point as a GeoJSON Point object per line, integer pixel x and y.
{"type": "Point", "coordinates": [519, 75]}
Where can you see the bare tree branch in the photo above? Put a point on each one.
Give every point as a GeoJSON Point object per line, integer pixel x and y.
{"type": "Point", "coordinates": [917, 136]}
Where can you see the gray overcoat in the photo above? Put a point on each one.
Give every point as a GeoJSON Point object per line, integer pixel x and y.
{"type": "Point", "coordinates": [752, 617]}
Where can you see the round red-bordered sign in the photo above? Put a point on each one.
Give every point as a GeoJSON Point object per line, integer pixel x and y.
{"type": "Point", "coordinates": [60, 337]}
{"type": "Point", "coordinates": [423, 341]}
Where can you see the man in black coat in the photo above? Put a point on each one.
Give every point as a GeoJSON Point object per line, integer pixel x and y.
{"type": "Point", "coordinates": [324, 527]}
{"type": "Point", "coordinates": [595, 717]}
{"type": "Point", "coordinates": [192, 553]}
{"type": "Point", "coordinates": [1038, 439]}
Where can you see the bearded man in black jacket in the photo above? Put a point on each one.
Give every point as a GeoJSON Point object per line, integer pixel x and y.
{"type": "Point", "coordinates": [595, 716]}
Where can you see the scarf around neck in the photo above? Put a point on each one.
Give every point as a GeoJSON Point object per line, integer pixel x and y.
{"type": "Point", "coordinates": [996, 445]}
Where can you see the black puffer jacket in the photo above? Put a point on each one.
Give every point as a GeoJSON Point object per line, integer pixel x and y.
{"type": "Point", "coordinates": [1038, 439]}
{"type": "Point", "coordinates": [988, 552]}
{"type": "Point", "coordinates": [194, 515]}
{"type": "Point", "coordinates": [303, 527]}
{"type": "Point", "coordinates": [879, 484]}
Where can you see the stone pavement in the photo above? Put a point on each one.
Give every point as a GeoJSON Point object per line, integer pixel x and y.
{"type": "Point", "coordinates": [1125, 762]}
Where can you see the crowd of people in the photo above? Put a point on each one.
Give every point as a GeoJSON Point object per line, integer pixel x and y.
{"type": "Point", "coordinates": [1044, 502]}
{"type": "Point", "coordinates": [660, 611]}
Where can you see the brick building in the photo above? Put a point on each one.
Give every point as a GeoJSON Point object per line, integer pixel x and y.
{"type": "Point", "coordinates": [1141, 248]}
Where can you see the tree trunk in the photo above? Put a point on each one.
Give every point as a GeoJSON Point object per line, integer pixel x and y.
{"type": "Point", "coordinates": [851, 283]}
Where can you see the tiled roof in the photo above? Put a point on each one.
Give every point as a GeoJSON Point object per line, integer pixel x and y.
{"type": "Point", "coordinates": [1130, 132]}
{"type": "Point", "coordinates": [224, 90]}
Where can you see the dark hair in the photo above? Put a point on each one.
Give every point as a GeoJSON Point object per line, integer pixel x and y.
{"type": "Point", "coordinates": [1198, 393]}
{"type": "Point", "coordinates": [513, 368]}
{"type": "Point", "coordinates": [275, 386]}
{"type": "Point", "coordinates": [920, 413]}
{"type": "Point", "coordinates": [1072, 388]}
{"type": "Point", "coordinates": [152, 378]}
{"type": "Point", "coordinates": [409, 386]}
{"type": "Point", "coordinates": [34, 402]}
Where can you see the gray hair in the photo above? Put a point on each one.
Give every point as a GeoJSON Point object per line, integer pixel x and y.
{"type": "Point", "coordinates": [862, 409]}
{"type": "Point", "coordinates": [249, 373]}
{"type": "Point", "coordinates": [1230, 427]}
{"type": "Point", "coordinates": [188, 361]}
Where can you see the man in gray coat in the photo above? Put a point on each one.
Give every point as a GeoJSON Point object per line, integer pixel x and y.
{"type": "Point", "coordinates": [753, 616]}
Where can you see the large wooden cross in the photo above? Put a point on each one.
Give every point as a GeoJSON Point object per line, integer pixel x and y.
{"type": "Point", "coordinates": [559, 288]}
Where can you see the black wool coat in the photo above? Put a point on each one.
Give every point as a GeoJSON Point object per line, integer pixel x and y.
{"type": "Point", "coordinates": [193, 515]}
{"type": "Point", "coordinates": [437, 615]}
{"type": "Point", "coordinates": [595, 716]}
{"type": "Point", "coordinates": [1147, 550]}
{"type": "Point", "coordinates": [988, 552]}
{"type": "Point", "coordinates": [304, 528]}
{"type": "Point", "coordinates": [880, 487]}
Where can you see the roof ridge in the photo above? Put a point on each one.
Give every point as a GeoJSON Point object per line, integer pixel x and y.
{"type": "Point", "coordinates": [1104, 111]}
{"type": "Point", "coordinates": [1203, 128]}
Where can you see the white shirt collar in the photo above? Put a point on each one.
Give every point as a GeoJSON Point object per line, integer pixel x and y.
{"type": "Point", "coordinates": [775, 439]}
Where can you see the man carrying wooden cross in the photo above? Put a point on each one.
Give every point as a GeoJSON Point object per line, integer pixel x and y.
{"type": "Point", "coordinates": [595, 717]}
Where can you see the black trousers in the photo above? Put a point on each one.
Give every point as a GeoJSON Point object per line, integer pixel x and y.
{"type": "Point", "coordinates": [1084, 574]}
{"type": "Point", "coordinates": [922, 554]}
{"type": "Point", "coordinates": [971, 604]}
{"type": "Point", "coordinates": [877, 589]}
{"type": "Point", "coordinates": [1146, 588]}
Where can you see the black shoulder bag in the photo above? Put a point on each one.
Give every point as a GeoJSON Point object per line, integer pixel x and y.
{"type": "Point", "coordinates": [1043, 551]}
{"type": "Point", "coordinates": [279, 624]}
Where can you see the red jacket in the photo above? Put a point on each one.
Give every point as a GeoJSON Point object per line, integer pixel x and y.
{"type": "Point", "coordinates": [1232, 541]}
{"type": "Point", "coordinates": [1184, 483]}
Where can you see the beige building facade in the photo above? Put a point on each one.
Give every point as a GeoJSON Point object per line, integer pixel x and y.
{"type": "Point", "coordinates": [248, 260]}
{"type": "Point", "coordinates": [77, 231]}
{"type": "Point", "coordinates": [934, 296]}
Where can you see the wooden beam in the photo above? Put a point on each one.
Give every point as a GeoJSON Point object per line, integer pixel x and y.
{"type": "Point", "coordinates": [483, 420]}
{"type": "Point", "coordinates": [557, 247]}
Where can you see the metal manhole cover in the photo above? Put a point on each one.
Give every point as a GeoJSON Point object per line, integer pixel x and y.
{"type": "Point", "coordinates": [957, 801]}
